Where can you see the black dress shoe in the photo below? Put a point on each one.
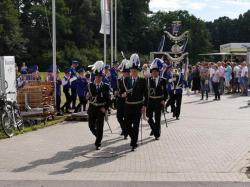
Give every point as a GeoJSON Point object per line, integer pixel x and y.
{"type": "Point", "coordinates": [177, 118]}
{"type": "Point", "coordinates": [133, 148]}
{"type": "Point", "coordinates": [151, 133]}
{"type": "Point", "coordinates": [125, 137]}
{"type": "Point", "coordinates": [157, 138]}
{"type": "Point", "coordinates": [97, 148]}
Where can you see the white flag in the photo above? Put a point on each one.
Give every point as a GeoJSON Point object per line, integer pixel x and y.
{"type": "Point", "coordinates": [106, 14]}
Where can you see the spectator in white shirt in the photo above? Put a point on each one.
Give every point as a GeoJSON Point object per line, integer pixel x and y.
{"type": "Point", "coordinates": [244, 79]}
{"type": "Point", "coordinates": [236, 71]}
{"type": "Point", "coordinates": [216, 83]}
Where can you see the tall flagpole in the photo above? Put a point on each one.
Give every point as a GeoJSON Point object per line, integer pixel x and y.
{"type": "Point", "coordinates": [54, 45]}
{"type": "Point", "coordinates": [115, 30]}
{"type": "Point", "coordinates": [112, 31]}
{"type": "Point", "coordinates": [105, 34]}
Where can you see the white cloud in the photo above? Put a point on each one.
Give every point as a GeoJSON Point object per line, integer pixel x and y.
{"type": "Point", "coordinates": [168, 5]}
{"type": "Point", "coordinates": [215, 7]}
{"type": "Point", "coordinates": [197, 6]}
{"type": "Point", "coordinates": [237, 2]}
{"type": "Point", "coordinates": [165, 5]}
{"type": "Point", "coordinates": [204, 9]}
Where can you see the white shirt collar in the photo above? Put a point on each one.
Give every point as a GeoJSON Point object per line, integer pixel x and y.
{"type": "Point", "coordinates": [156, 79]}
{"type": "Point", "coordinates": [98, 84]}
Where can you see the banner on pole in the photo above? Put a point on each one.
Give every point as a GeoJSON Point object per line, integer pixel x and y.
{"type": "Point", "coordinates": [162, 43]}
{"type": "Point", "coordinates": [105, 17]}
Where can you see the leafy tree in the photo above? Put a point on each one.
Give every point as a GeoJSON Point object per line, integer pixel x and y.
{"type": "Point", "coordinates": [37, 26]}
{"type": "Point", "coordinates": [12, 41]}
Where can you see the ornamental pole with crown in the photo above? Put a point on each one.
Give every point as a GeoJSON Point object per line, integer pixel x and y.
{"type": "Point", "coordinates": [178, 54]}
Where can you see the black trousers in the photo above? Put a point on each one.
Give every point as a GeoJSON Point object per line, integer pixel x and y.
{"type": "Point", "coordinates": [96, 123]}
{"type": "Point", "coordinates": [176, 100]}
{"type": "Point", "coordinates": [73, 97]}
{"type": "Point", "coordinates": [216, 87]}
{"type": "Point", "coordinates": [203, 92]}
{"type": "Point", "coordinates": [169, 102]}
{"type": "Point", "coordinates": [132, 118]}
{"type": "Point", "coordinates": [83, 102]}
{"type": "Point", "coordinates": [68, 100]}
{"type": "Point", "coordinates": [58, 103]}
{"type": "Point", "coordinates": [154, 117]}
{"type": "Point", "coordinates": [120, 115]}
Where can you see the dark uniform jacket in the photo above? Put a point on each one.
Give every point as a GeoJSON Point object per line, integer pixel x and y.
{"type": "Point", "coordinates": [136, 93]}
{"type": "Point", "coordinates": [99, 97]}
{"type": "Point", "coordinates": [156, 93]}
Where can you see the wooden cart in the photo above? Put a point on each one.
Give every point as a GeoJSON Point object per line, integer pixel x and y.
{"type": "Point", "coordinates": [36, 101]}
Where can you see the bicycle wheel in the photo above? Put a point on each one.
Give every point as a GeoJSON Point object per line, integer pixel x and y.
{"type": "Point", "coordinates": [8, 127]}
{"type": "Point", "coordinates": [18, 119]}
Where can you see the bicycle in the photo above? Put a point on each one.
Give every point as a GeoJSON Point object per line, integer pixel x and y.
{"type": "Point", "coordinates": [10, 116]}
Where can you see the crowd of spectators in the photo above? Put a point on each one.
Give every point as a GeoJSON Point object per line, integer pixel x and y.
{"type": "Point", "coordinates": [223, 77]}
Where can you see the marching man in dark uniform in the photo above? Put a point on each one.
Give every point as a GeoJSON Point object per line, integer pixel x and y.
{"type": "Point", "coordinates": [176, 83]}
{"type": "Point", "coordinates": [81, 89]}
{"type": "Point", "coordinates": [124, 68]}
{"type": "Point", "coordinates": [66, 90]}
{"type": "Point", "coordinates": [157, 96]}
{"type": "Point", "coordinates": [99, 102]}
{"type": "Point", "coordinates": [134, 90]}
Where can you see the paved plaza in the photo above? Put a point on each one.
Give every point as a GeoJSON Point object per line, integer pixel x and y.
{"type": "Point", "coordinates": [209, 146]}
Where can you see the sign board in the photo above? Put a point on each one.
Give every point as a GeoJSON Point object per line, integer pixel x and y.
{"type": "Point", "coordinates": [8, 77]}
{"type": "Point", "coordinates": [234, 48]}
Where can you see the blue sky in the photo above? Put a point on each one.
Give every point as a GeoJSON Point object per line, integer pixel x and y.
{"type": "Point", "coordinates": [207, 10]}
